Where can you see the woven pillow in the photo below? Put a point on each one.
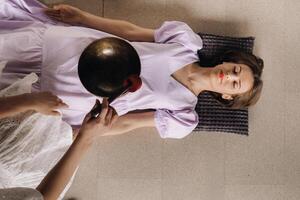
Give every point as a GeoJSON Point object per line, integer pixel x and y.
{"type": "Point", "coordinates": [212, 116]}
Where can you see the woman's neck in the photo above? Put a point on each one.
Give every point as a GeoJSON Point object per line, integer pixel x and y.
{"type": "Point", "coordinates": [194, 77]}
{"type": "Point", "coordinates": [199, 78]}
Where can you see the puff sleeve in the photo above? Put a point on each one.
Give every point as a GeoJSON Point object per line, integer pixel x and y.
{"type": "Point", "coordinates": [178, 32]}
{"type": "Point", "coordinates": [175, 124]}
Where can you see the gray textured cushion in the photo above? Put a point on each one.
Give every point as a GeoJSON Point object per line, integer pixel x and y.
{"type": "Point", "coordinates": [212, 116]}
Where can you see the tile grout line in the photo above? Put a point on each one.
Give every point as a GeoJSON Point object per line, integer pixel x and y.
{"type": "Point", "coordinates": [285, 172]}
{"type": "Point", "coordinates": [103, 8]}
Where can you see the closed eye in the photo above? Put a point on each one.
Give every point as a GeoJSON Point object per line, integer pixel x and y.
{"type": "Point", "coordinates": [237, 69]}
{"type": "Point", "coordinates": [235, 84]}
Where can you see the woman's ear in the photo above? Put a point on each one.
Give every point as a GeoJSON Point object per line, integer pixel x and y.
{"type": "Point", "coordinates": [227, 96]}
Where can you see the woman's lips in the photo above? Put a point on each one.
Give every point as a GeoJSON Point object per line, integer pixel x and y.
{"type": "Point", "coordinates": [221, 76]}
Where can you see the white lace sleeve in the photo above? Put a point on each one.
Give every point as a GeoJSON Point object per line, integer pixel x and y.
{"type": "Point", "coordinates": [30, 143]}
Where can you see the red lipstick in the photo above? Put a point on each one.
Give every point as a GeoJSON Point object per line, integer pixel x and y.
{"type": "Point", "coordinates": [221, 75]}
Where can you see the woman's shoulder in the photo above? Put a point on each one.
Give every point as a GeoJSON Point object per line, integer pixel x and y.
{"type": "Point", "coordinates": [178, 32]}
{"type": "Point", "coordinates": [175, 25]}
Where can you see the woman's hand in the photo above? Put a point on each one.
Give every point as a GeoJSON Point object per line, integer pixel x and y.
{"type": "Point", "coordinates": [66, 13]}
{"type": "Point", "coordinates": [93, 127]}
{"type": "Point", "coordinates": [45, 103]}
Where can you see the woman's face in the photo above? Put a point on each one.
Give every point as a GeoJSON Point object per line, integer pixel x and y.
{"type": "Point", "coordinates": [232, 79]}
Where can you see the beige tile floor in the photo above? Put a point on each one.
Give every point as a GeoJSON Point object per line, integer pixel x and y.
{"type": "Point", "coordinates": [209, 166]}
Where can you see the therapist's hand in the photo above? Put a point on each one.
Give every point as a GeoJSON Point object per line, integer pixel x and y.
{"type": "Point", "coordinates": [44, 102]}
{"type": "Point", "coordinates": [65, 13]}
{"type": "Point", "coordinates": [93, 127]}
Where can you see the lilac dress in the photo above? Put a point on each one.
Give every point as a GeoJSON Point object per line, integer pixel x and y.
{"type": "Point", "coordinates": [31, 42]}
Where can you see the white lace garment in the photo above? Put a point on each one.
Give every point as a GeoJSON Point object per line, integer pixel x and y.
{"type": "Point", "coordinates": [30, 143]}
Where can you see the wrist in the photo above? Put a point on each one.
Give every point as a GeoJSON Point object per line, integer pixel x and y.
{"type": "Point", "coordinates": [84, 139]}
{"type": "Point", "coordinates": [84, 18]}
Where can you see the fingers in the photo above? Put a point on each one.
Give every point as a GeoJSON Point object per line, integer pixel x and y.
{"type": "Point", "coordinates": [95, 105]}
{"type": "Point", "coordinates": [87, 118]}
{"type": "Point", "coordinates": [58, 6]}
{"type": "Point", "coordinates": [114, 118]}
{"type": "Point", "coordinates": [56, 18]}
{"type": "Point", "coordinates": [105, 102]}
{"type": "Point", "coordinates": [52, 11]}
{"type": "Point", "coordinates": [105, 118]}
{"type": "Point", "coordinates": [64, 105]}
{"type": "Point", "coordinates": [54, 113]}
{"type": "Point", "coordinates": [104, 107]}
{"type": "Point", "coordinates": [91, 113]}
{"type": "Point", "coordinates": [61, 105]}
{"type": "Point", "coordinates": [96, 110]}
{"type": "Point", "coordinates": [54, 14]}
{"type": "Point", "coordinates": [47, 103]}
{"type": "Point", "coordinates": [111, 117]}
{"type": "Point", "coordinates": [58, 103]}
{"type": "Point", "coordinates": [108, 117]}
{"type": "Point", "coordinates": [97, 102]}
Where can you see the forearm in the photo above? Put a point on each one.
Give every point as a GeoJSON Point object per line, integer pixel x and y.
{"type": "Point", "coordinates": [10, 106]}
{"type": "Point", "coordinates": [57, 179]}
{"type": "Point", "coordinates": [130, 122]}
{"type": "Point", "coordinates": [115, 27]}
{"type": "Point", "coordinates": [118, 28]}
{"type": "Point", "coordinates": [120, 127]}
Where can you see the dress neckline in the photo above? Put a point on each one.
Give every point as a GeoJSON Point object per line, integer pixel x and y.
{"type": "Point", "coordinates": [181, 85]}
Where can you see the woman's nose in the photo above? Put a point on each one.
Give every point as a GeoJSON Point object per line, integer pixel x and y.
{"type": "Point", "coordinates": [231, 76]}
